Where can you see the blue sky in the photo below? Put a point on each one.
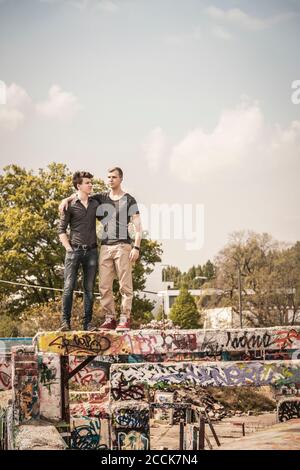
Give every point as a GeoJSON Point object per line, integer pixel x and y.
{"type": "Point", "coordinates": [191, 98]}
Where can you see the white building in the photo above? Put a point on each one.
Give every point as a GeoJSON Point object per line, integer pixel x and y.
{"type": "Point", "coordinates": [169, 296]}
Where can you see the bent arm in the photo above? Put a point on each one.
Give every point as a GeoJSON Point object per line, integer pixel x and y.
{"type": "Point", "coordinates": [63, 206]}
{"type": "Point", "coordinates": [136, 220]}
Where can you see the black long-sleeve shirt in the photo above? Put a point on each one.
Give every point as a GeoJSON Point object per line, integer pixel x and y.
{"type": "Point", "coordinates": [82, 222]}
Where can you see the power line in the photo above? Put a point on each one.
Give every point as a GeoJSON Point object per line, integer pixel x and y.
{"type": "Point", "coordinates": [36, 286]}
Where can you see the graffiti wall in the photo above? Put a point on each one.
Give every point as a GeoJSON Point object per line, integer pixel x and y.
{"type": "Point", "coordinates": [92, 404]}
{"type": "Point", "coordinates": [25, 383]}
{"type": "Point", "coordinates": [6, 345]}
{"type": "Point", "coordinates": [50, 386]}
{"type": "Point", "coordinates": [92, 375]}
{"type": "Point", "coordinates": [90, 420]}
{"type": "Point", "coordinates": [130, 382]}
{"type": "Point", "coordinates": [130, 426]}
{"type": "Point", "coordinates": [163, 413]}
{"type": "Point", "coordinates": [159, 342]}
{"type": "Point", "coordinates": [288, 409]}
{"type": "Point", "coordinates": [90, 433]}
{"type": "Point", "coordinates": [5, 372]}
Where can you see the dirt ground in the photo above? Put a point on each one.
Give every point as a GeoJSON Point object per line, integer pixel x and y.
{"type": "Point", "coordinates": [229, 429]}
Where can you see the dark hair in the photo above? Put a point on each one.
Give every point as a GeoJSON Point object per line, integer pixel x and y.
{"type": "Point", "coordinates": [118, 169]}
{"type": "Point", "coordinates": [78, 177]}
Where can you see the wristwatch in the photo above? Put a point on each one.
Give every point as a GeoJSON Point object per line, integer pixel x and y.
{"type": "Point", "coordinates": [137, 247]}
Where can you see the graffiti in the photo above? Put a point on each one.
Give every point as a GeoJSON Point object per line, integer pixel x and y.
{"type": "Point", "coordinates": [288, 409]}
{"type": "Point", "coordinates": [47, 376]}
{"type": "Point", "coordinates": [5, 380]}
{"type": "Point", "coordinates": [147, 343]}
{"type": "Point", "coordinates": [131, 418]}
{"type": "Point", "coordinates": [28, 399]}
{"type": "Point", "coordinates": [287, 339]}
{"type": "Point", "coordinates": [90, 397]}
{"type": "Point", "coordinates": [124, 377]}
{"type": "Point", "coordinates": [159, 342]}
{"type": "Point", "coordinates": [95, 373]}
{"type": "Point", "coordinates": [133, 440]}
{"type": "Point", "coordinates": [125, 391]}
{"type": "Point", "coordinates": [163, 411]}
{"type": "Point", "coordinates": [91, 410]}
{"type": "Point", "coordinates": [85, 343]}
{"type": "Point", "coordinates": [87, 434]}
{"type": "Point", "coordinates": [5, 374]}
{"type": "Point", "coordinates": [254, 341]}
{"type": "Point", "coordinates": [50, 386]}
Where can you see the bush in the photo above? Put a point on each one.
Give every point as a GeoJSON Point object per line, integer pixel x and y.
{"type": "Point", "coordinates": [242, 399]}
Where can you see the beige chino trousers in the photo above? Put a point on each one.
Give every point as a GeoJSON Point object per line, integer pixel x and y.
{"type": "Point", "coordinates": [115, 263]}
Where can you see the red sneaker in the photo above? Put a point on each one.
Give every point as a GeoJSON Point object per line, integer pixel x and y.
{"type": "Point", "coordinates": [124, 324]}
{"type": "Point", "coordinates": [108, 324]}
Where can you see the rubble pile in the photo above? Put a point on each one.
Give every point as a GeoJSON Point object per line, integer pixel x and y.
{"type": "Point", "coordinates": [203, 401]}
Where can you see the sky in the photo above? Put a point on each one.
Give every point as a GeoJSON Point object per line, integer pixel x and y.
{"type": "Point", "coordinates": [197, 101]}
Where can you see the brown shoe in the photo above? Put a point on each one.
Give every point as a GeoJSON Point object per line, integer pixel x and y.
{"type": "Point", "coordinates": [108, 324]}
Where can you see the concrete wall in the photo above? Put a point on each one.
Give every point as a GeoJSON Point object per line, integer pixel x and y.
{"type": "Point", "coordinates": [6, 345]}
{"type": "Point", "coordinates": [170, 341]}
{"type": "Point", "coordinates": [131, 382]}
{"type": "Point", "coordinates": [5, 371]}
{"type": "Point", "coordinates": [288, 408]}
{"type": "Point", "coordinates": [25, 383]}
{"type": "Point", "coordinates": [130, 426]}
{"type": "Point", "coordinates": [50, 386]}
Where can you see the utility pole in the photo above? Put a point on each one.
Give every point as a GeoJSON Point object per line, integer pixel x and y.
{"type": "Point", "coordinates": [240, 295]}
{"type": "Point", "coordinates": [163, 317]}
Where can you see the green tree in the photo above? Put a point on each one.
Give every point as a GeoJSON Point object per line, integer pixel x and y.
{"type": "Point", "coordinates": [184, 311]}
{"type": "Point", "coordinates": [270, 278]}
{"type": "Point", "coordinates": [194, 278]}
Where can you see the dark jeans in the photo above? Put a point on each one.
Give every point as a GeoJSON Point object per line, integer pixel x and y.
{"type": "Point", "coordinates": [88, 259]}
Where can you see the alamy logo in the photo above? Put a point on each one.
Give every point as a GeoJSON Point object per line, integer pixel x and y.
{"type": "Point", "coordinates": [2, 92]}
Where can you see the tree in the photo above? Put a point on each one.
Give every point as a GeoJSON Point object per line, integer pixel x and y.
{"type": "Point", "coordinates": [270, 278]}
{"type": "Point", "coordinates": [194, 278]}
{"type": "Point", "coordinates": [184, 311]}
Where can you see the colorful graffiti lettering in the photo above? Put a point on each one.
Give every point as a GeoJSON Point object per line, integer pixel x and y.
{"type": "Point", "coordinates": [124, 377]}
{"type": "Point", "coordinates": [133, 440]}
{"type": "Point", "coordinates": [288, 409]}
{"type": "Point", "coordinates": [89, 344]}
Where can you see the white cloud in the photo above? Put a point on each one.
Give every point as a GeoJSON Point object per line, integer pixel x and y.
{"type": "Point", "coordinates": [10, 119]}
{"type": "Point", "coordinates": [237, 132]}
{"type": "Point", "coordinates": [154, 148]}
{"type": "Point", "coordinates": [236, 18]}
{"type": "Point", "coordinates": [241, 138]}
{"type": "Point", "coordinates": [107, 5]}
{"type": "Point", "coordinates": [61, 105]}
{"type": "Point", "coordinates": [182, 38]}
{"type": "Point", "coordinates": [18, 106]}
{"type": "Point", "coordinates": [221, 32]}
